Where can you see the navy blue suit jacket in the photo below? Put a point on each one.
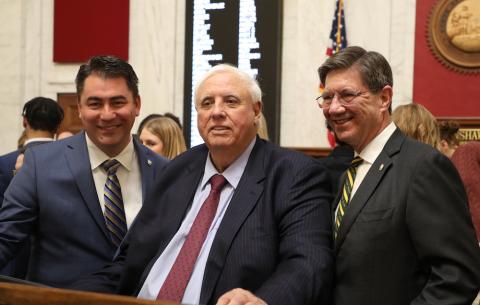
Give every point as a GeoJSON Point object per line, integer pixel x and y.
{"type": "Point", "coordinates": [274, 240]}
{"type": "Point", "coordinates": [53, 198]}
{"type": "Point", "coordinates": [7, 165]}
{"type": "Point", "coordinates": [18, 266]}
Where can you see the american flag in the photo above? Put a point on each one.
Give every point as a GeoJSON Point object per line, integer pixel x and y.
{"type": "Point", "coordinates": [338, 34]}
{"type": "Point", "coordinates": [338, 37]}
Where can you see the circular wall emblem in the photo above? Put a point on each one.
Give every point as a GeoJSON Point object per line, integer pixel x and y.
{"type": "Point", "coordinates": [454, 34]}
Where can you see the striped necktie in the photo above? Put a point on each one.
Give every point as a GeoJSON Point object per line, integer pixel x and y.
{"type": "Point", "coordinates": [346, 192]}
{"type": "Point", "coordinates": [114, 211]}
{"type": "Point", "coordinates": [177, 280]}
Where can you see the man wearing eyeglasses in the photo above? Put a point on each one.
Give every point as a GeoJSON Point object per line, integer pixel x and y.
{"type": "Point", "coordinates": [402, 230]}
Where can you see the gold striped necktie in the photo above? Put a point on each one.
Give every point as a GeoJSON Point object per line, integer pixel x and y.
{"type": "Point", "coordinates": [114, 211]}
{"type": "Point", "coordinates": [346, 192]}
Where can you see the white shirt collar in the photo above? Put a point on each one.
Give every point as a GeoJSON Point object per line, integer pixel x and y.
{"type": "Point", "coordinates": [233, 173]}
{"type": "Point", "coordinates": [97, 156]}
{"type": "Point", "coordinates": [373, 149]}
{"type": "Point", "coordinates": [37, 140]}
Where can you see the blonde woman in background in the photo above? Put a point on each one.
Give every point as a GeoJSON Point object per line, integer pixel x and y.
{"type": "Point", "coordinates": [164, 136]}
{"type": "Point", "coordinates": [262, 129]}
{"type": "Point", "coordinates": [417, 122]}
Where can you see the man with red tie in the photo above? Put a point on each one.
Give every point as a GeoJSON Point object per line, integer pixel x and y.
{"type": "Point", "coordinates": [237, 220]}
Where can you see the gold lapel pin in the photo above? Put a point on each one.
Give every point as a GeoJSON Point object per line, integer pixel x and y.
{"type": "Point", "coordinates": [381, 167]}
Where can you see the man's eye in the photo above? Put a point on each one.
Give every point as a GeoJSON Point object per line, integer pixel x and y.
{"type": "Point", "coordinates": [327, 98]}
{"type": "Point", "coordinates": [118, 103]}
{"type": "Point", "coordinates": [347, 96]}
{"type": "Point", "coordinates": [232, 102]}
{"type": "Point", "coordinates": [93, 104]}
{"type": "Point", "coordinates": [206, 103]}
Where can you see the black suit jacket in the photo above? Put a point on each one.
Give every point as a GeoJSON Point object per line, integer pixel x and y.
{"type": "Point", "coordinates": [406, 236]}
{"type": "Point", "coordinates": [274, 240]}
{"type": "Point", "coordinates": [53, 198]}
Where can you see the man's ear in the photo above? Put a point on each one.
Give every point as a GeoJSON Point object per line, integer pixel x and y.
{"type": "Point", "coordinates": [257, 108]}
{"type": "Point", "coordinates": [138, 104]}
{"type": "Point", "coordinates": [386, 97]}
{"type": "Point", "coordinates": [24, 122]}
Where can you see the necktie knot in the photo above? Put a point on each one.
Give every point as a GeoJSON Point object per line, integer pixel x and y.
{"type": "Point", "coordinates": [356, 162]}
{"type": "Point", "coordinates": [217, 182]}
{"type": "Point", "coordinates": [111, 166]}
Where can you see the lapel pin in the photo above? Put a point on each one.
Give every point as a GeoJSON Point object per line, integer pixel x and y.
{"type": "Point", "coordinates": [381, 167]}
{"type": "Point", "coordinates": [149, 162]}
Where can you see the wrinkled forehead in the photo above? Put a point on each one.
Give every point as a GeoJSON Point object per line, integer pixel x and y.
{"type": "Point", "coordinates": [219, 80]}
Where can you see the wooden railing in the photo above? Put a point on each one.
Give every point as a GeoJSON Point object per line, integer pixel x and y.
{"type": "Point", "coordinates": [18, 294]}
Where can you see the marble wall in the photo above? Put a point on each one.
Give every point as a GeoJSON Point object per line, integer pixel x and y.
{"type": "Point", "coordinates": [156, 52]}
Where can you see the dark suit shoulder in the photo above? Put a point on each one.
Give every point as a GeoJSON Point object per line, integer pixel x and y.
{"type": "Point", "coordinates": [274, 153]}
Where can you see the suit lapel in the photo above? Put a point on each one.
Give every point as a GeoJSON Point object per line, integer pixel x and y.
{"type": "Point", "coordinates": [371, 181]}
{"type": "Point", "coordinates": [79, 164]}
{"type": "Point", "coordinates": [145, 163]}
{"type": "Point", "coordinates": [243, 201]}
{"type": "Point", "coordinates": [175, 206]}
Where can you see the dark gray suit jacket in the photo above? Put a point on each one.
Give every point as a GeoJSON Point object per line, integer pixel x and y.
{"type": "Point", "coordinates": [274, 240]}
{"type": "Point", "coordinates": [407, 236]}
{"type": "Point", "coordinates": [53, 198]}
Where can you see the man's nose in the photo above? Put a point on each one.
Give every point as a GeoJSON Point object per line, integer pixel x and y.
{"type": "Point", "coordinates": [218, 108]}
{"type": "Point", "coordinates": [336, 105]}
{"type": "Point", "coordinates": [107, 113]}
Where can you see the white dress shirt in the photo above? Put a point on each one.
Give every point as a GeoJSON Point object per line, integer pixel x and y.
{"type": "Point", "coordinates": [164, 263]}
{"type": "Point", "coordinates": [369, 154]}
{"type": "Point", "coordinates": [128, 174]}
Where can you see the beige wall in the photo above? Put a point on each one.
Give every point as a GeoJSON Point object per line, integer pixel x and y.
{"type": "Point", "coordinates": [156, 53]}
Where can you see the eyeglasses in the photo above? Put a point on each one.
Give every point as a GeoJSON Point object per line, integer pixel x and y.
{"type": "Point", "coordinates": [324, 101]}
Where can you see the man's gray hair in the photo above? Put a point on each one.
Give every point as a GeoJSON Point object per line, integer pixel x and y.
{"type": "Point", "coordinates": [252, 83]}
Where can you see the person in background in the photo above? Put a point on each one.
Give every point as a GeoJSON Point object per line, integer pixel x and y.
{"type": "Point", "coordinates": [41, 118]}
{"type": "Point", "coordinates": [402, 232]}
{"type": "Point", "coordinates": [64, 134]}
{"type": "Point", "coordinates": [448, 137]}
{"type": "Point", "coordinates": [164, 136]}
{"type": "Point", "coordinates": [262, 127]}
{"type": "Point", "coordinates": [259, 212]}
{"type": "Point", "coordinates": [77, 197]}
{"type": "Point", "coordinates": [145, 121]}
{"type": "Point", "coordinates": [466, 159]}
{"type": "Point", "coordinates": [21, 139]}
{"type": "Point", "coordinates": [415, 121]}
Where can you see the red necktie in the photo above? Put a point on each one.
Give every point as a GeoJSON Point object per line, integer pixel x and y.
{"type": "Point", "coordinates": [176, 282]}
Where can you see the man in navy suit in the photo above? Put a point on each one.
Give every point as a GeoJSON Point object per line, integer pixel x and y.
{"type": "Point", "coordinates": [403, 233]}
{"type": "Point", "coordinates": [41, 118]}
{"type": "Point", "coordinates": [270, 238]}
{"type": "Point", "coordinates": [60, 195]}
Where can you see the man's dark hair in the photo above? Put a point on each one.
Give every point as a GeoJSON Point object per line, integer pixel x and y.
{"type": "Point", "coordinates": [374, 69]}
{"type": "Point", "coordinates": [43, 113]}
{"type": "Point", "coordinates": [107, 66]}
